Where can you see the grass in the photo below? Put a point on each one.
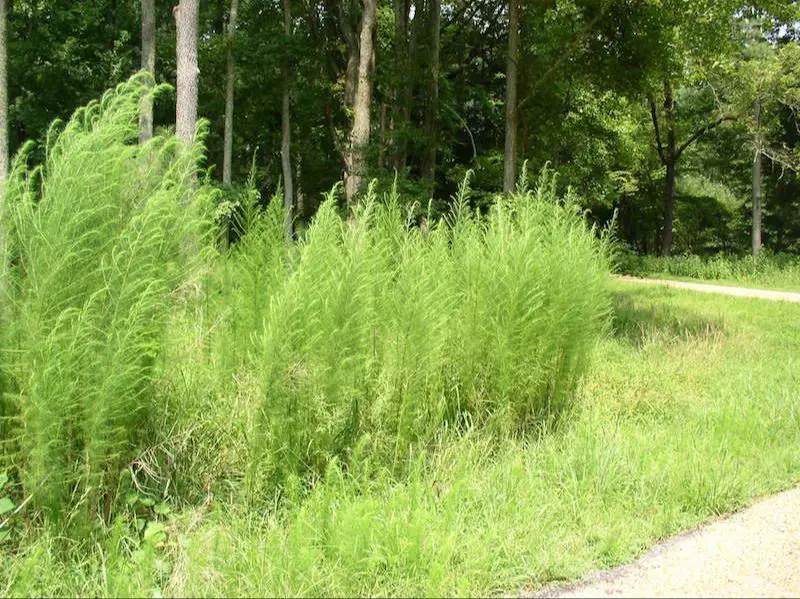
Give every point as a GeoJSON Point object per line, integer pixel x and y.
{"type": "Point", "coordinates": [689, 412]}
{"type": "Point", "coordinates": [375, 410]}
{"type": "Point", "coordinates": [780, 273]}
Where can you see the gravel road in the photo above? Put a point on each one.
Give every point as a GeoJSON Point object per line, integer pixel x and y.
{"type": "Point", "coordinates": [754, 553]}
{"type": "Point", "coordinates": [786, 296]}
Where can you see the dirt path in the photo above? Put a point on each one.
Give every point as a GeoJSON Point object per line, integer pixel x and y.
{"type": "Point", "coordinates": [786, 296]}
{"type": "Point", "coordinates": [754, 553]}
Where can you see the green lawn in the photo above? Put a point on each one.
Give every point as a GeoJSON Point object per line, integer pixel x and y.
{"type": "Point", "coordinates": [690, 410]}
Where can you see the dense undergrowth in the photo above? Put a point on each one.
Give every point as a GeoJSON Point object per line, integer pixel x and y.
{"type": "Point", "coordinates": [138, 362]}
{"type": "Point", "coordinates": [771, 271]}
{"type": "Point", "coordinates": [379, 409]}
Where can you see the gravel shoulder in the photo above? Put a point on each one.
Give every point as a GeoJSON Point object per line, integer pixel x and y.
{"type": "Point", "coordinates": [787, 296]}
{"type": "Point", "coordinates": [754, 553]}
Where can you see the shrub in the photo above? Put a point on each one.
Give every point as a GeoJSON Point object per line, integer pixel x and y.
{"type": "Point", "coordinates": [99, 237]}
{"type": "Point", "coordinates": [384, 333]}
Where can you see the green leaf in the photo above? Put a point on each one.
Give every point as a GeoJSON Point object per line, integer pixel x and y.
{"type": "Point", "coordinates": [6, 505]}
{"type": "Point", "coordinates": [147, 501]}
{"type": "Point", "coordinates": [162, 509]}
{"type": "Point", "coordinates": [132, 499]}
{"type": "Point", "coordinates": [155, 533]}
{"type": "Point", "coordinates": [3, 479]}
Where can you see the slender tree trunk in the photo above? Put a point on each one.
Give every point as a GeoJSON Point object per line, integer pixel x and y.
{"type": "Point", "coordinates": [510, 164]}
{"type": "Point", "coordinates": [286, 127]}
{"type": "Point", "coordinates": [299, 195]}
{"type": "Point", "coordinates": [669, 209]}
{"type": "Point", "coordinates": [757, 188]}
{"type": "Point", "coordinates": [382, 137]}
{"type": "Point", "coordinates": [3, 140]}
{"type": "Point", "coordinates": [186, 20]}
{"type": "Point", "coordinates": [227, 156]}
{"type": "Point", "coordinates": [432, 112]}
{"type": "Point", "coordinates": [359, 135]}
{"type": "Point", "coordinates": [149, 65]}
{"type": "Point", "coordinates": [670, 160]}
{"type": "Point", "coordinates": [402, 108]}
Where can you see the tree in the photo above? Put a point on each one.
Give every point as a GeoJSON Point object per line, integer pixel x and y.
{"type": "Point", "coordinates": [3, 137]}
{"type": "Point", "coordinates": [286, 124]}
{"type": "Point", "coordinates": [149, 65]}
{"type": "Point", "coordinates": [362, 103]}
{"type": "Point", "coordinates": [670, 152]}
{"type": "Point", "coordinates": [432, 109]}
{"type": "Point", "coordinates": [230, 80]}
{"type": "Point", "coordinates": [186, 21]}
{"type": "Point", "coordinates": [763, 82]}
{"type": "Point", "coordinates": [402, 96]}
{"type": "Point", "coordinates": [510, 159]}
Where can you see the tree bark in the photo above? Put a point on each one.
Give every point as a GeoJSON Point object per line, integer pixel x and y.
{"type": "Point", "coordinates": [510, 163]}
{"type": "Point", "coordinates": [670, 160]}
{"type": "Point", "coordinates": [757, 187]}
{"type": "Point", "coordinates": [227, 157]}
{"type": "Point", "coordinates": [3, 140]}
{"type": "Point", "coordinates": [402, 108]}
{"type": "Point", "coordinates": [286, 128]}
{"type": "Point", "coordinates": [149, 65]}
{"type": "Point", "coordinates": [669, 210]}
{"type": "Point", "coordinates": [432, 112]}
{"type": "Point", "coordinates": [359, 135]}
{"type": "Point", "coordinates": [3, 99]}
{"type": "Point", "coordinates": [757, 202]}
{"type": "Point", "coordinates": [186, 20]}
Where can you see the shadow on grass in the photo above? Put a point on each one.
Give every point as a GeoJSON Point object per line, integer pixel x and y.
{"type": "Point", "coordinates": [639, 323]}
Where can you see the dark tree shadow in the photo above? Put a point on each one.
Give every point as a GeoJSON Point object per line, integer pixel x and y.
{"type": "Point", "coordinates": [637, 322]}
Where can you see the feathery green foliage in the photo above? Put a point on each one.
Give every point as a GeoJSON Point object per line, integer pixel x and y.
{"type": "Point", "coordinates": [384, 333]}
{"type": "Point", "coordinates": [100, 236]}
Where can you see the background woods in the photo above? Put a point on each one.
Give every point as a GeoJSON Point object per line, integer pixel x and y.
{"type": "Point", "coordinates": [679, 114]}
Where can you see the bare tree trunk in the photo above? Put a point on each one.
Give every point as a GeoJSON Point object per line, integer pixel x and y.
{"type": "Point", "coordinates": [431, 114]}
{"type": "Point", "coordinates": [227, 156]}
{"type": "Point", "coordinates": [510, 164]}
{"type": "Point", "coordinates": [670, 162]}
{"type": "Point", "coordinates": [382, 137]}
{"type": "Point", "coordinates": [286, 128]}
{"type": "Point", "coordinates": [149, 65]}
{"type": "Point", "coordinates": [669, 210]}
{"type": "Point", "coordinates": [359, 135]}
{"type": "Point", "coordinates": [186, 20]}
{"type": "Point", "coordinates": [757, 188]}
{"type": "Point", "coordinates": [3, 139]}
{"type": "Point", "coordinates": [402, 108]}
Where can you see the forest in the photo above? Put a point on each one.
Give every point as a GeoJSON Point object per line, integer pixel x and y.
{"type": "Point", "coordinates": [680, 115]}
{"type": "Point", "coordinates": [342, 297]}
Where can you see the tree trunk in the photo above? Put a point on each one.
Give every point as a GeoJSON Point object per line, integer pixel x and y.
{"type": "Point", "coordinates": [757, 188]}
{"type": "Point", "coordinates": [227, 156]}
{"type": "Point", "coordinates": [382, 137]}
{"type": "Point", "coordinates": [432, 112]}
{"type": "Point", "coordinates": [186, 21]}
{"type": "Point", "coordinates": [402, 108]}
{"type": "Point", "coordinates": [510, 164]}
{"type": "Point", "coordinates": [149, 65]}
{"type": "Point", "coordinates": [757, 202]}
{"type": "Point", "coordinates": [359, 135]}
{"type": "Point", "coordinates": [286, 128]}
{"type": "Point", "coordinates": [669, 209]}
{"type": "Point", "coordinates": [670, 161]}
{"type": "Point", "coordinates": [3, 140]}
